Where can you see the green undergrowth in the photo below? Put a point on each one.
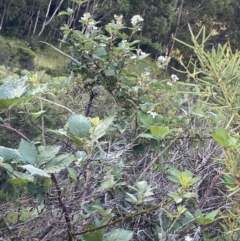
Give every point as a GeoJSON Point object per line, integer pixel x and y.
{"type": "Point", "coordinates": [15, 53]}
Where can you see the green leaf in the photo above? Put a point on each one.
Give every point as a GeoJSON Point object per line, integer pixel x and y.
{"type": "Point", "coordinates": [146, 135]}
{"type": "Point", "coordinates": [108, 183]}
{"type": "Point", "coordinates": [7, 166]}
{"type": "Point", "coordinates": [94, 236]}
{"type": "Point", "coordinates": [9, 154]}
{"type": "Point", "coordinates": [101, 51]}
{"type": "Point", "coordinates": [35, 171]}
{"type": "Point", "coordinates": [109, 72]}
{"type": "Point", "coordinates": [72, 173]}
{"type": "Point", "coordinates": [159, 132]}
{"type": "Point", "coordinates": [190, 195]}
{"type": "Point", "coordinates": [118, 235]}
{"type": "Point", "coordinates": [212, 214]}
{"type": "Point", "coordinates": [23, 176]}
{"type": "Point", "coordinates": [40, 197]}
{"type": "Point", "coordinates": [38, 114]}
{"type": "Point", "coordinates": [12, 93]}
{"type": "Point", "coordinates": [132, 198]}
{"type": "Point", "coordinates": [101, 128]}
{"type": "Point", "coordinates": [46, 154]}
{"type": "Point", "coordinates": [221, 136]}
{"type": "Point", "coordinates": [81, 156]}
{"type": "Point", "coordinates": [173, 179]}
{"type": "Point", "coordinates": [79, 125]}
{"type": "Point", "coordinates": [62, 13]}
{"type": "Point", "coordinates": [28, 151]}
{"type": "Point", "coordinates": [145, 119]}
{"type": "Point", "coordinates": [175, 197]}
{"type": "Point", "coordinates": [11, 89]}
{"type": "Point", "coordinates": [59, 163]}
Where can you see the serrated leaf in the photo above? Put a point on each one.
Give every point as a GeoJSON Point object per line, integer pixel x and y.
{"type": "Point", "coordinates": [101, 128]}
{"type": "Point", "coordinates": [79, 125]}
{"type": "Point", "coordinates": [28, 151]}
{"type": "Point", "coordinates": [23, 176]}
{"type": "Point", "coordinates": [9, 103]}
{"type": "Point", "coordinates": [145, 119]}
{"type": "Point", "coordinates": [35, 171]}
{"type": "Point", "coordinates": [11, 89]}
{"type": "Point", "coordinates": [9, 154]}
{"type": "Point", "coordinates": [47, 153]}
{"type": "Point", "coordinates": [81, 156]}
{"type": "Point", "coordinates": [118, 235]}
{"type": "Point", "coordinates": [59, 163]}
{"type": "Point", "coordinates": [159, 132]}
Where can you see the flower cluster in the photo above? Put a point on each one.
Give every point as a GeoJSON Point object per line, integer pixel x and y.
{"type": "Point", "coordinates": [163, 61]}
{"type": "Point", "coordinates": [118, 19]}
{"type": "Point", "coordinates": [152, 113]}
{"type": "Point", "coordinates": [173, 80]}
{"type": "Point", "coordinates": [136, 19]}
{"type": "Point", "coordinates": [86, 16]}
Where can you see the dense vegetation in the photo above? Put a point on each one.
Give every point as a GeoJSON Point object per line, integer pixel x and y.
{"type": "Point", "coordinates": [101, 141]}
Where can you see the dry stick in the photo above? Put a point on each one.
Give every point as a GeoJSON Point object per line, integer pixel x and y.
{"type": "Point", "coordinates": [87, 178]}
{"type": "Point", "coordinates": [17, 132]}
{"type": "Point", "coordinates": [208, 191]}
{"type": "Point", "coordinates": [156, 158]}
{"type": "Point", "coordinates": [65, 211]}
{"type": "Point", "coordinates": [59, 191]}
{"type": "Point", "coordinates": [144, 211]}
{"type": "Point", "coordinates": [61, 52]}
{"type": "Point", "coordinates": [51, 102]}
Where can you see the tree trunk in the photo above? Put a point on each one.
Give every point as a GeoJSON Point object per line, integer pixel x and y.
{"type": "Point", "coordinates": [3, 15]}
{"type": "Point", "coordinates": [35, 26]}
{"type": "Point", "coordinates": [46, 22]}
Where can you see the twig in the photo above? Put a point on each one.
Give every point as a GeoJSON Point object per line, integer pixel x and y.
{"type": "Point", "coordinates": [65, 211]}
{"type": "Point", "coordinates": [142, 212]}
{"type": "Point", "coordinates": [156, 158]}
{"type": "Point", "coordinates": [51, 102]}
{"type": "Point", "coordinates": [17, 132]}
{"type": "Point", "coordinates": [208, 191]}
{"type": "Point", "coordinates": [61, 52]}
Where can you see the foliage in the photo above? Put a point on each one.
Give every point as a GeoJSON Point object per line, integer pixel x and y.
{"type": "Point", "coordinates": [144, 164]}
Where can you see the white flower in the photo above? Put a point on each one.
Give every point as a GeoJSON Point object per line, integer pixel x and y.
{"type": "Point", "coordinates": [86, 16]}
{"type": "Point", "coordinates": [188, 238]}
{"type": "Point", "coordinates": [169, 83]}
{"type": "Point", "coordinates": [152, 113]}
{"type": "Point", "coordinates": [162, 61]}
{"type": "Point", "coordinates": [174, 78]}
{"type": "Point", "coordinates": [118, 19]}
{"type": "Point", "coordinates": [136, 19]}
